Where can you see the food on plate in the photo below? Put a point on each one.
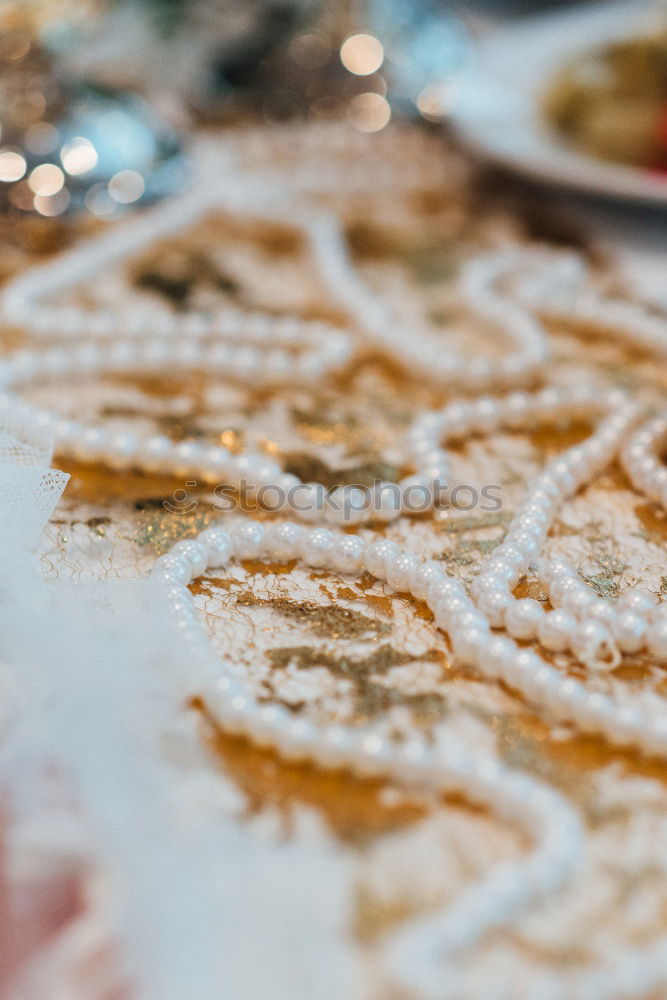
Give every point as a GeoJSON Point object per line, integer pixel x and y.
{"type": "Point", "coordinates": [611, 101]}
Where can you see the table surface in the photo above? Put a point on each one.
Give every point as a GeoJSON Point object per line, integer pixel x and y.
{"type": "Point", "coordinates": [317, 868]}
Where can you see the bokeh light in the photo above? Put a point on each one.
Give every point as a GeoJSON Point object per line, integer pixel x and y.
{"type": "Point", "coordinates": [369, 112]}
{"type": "Point", "coordinates": [126, 186]}
{"type": "Point", "coordinates": [436, 100]}
{"type": "Point", "coordinates": [362, 54]}
{"type": "Point", "coordinates": [46, 179]}
{"type": "Point", "coordinates": [12, 165]}
{"type": "Point", "coordinates": [78, 156]}
{"type": "Point", "coordinates": [52, 205]}
{"type": "Point", "coordinates": [14, 45]}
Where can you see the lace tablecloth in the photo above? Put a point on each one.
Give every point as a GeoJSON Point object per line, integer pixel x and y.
{"type": "Point", "coordinates": [309, 871]}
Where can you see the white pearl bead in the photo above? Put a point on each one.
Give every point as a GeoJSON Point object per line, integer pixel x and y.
{"type": "Point", "coordinates": [386, 503]}
{"type": "Point", "coordinates": [316, 547]}
{"type": "Point", "coordinates": [308, 500]}
{"type": "Point", "coordinates": [471, 642]}
{"type": "Point", "coordinates": [555, 630]}
{"type": "Point", "coordinates": [512, 555]}
{"type": "Point", "coordinates": [283, 539]}
{"type": "Point", "coordinates": [186, 456]}
{"type": "Point", "coordinates": [501, 655]}
{"type": "Point", "coordinates": [637, 600]}
{"type": "Point", "coordinates": [400, 571]}
{"type": "Point", "coordinates": [444, 587]}
{"type": "Point", "coordinates": [378, 554]}
{"type": "Point", "coordinates": [658, 613]}
{"type": "Point", "coordinates": [447, 609]}
{"type": "Point", "coordinates": [334, 748]}
{"type": "Point", "coordinates": [523, 618]}
{"type": "Point", "coordinates": [218, 546]}
{"type": "Point", "coordinates": [549, 570]}
{"type": "Point", "coordinates": [356, 505]}
{"type": "Point", "coordinates": [424, 576]}
{"type": "Point", "coordinates": [417, 493]}
{"type": "Point", "coordinates": [629, 630]}
{"type": "Point", "coordinates": [347, 554]}
{"type": "Point", "coordinates": [601, 610]}
{"type": "Point", "coordinates": [173, 567]}
{"type": "Point", "coordinates": [296, 739]}
{"type": "Point", "coordinates": [656, 640]}
{"type": "Point", "coordinates": [248, 539]}
{"type": "Point", "coordinates": [494, 605]}
{"type": "Point", "coordinates": [91, 444]}
{"type": "Point", "coordinates": [122, 354]}
{"type": "Point", "coordinates": [503, 570]}
{"type": "Point", "coordinates": [194, 552]}
{"type": "Point", "coordinates": [66, 432]}
{"type": "Point", "coordinates": [121, 450]}
{"type": "Point", "coordinates": [562, 584]}
{"type": "Point", "coordinates": [153, 452]}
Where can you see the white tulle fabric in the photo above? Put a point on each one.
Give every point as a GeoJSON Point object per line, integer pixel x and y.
{"type": "Point", "coordinates": [92, 685]}
{"type": "Point", "coordinates": [29, 488]}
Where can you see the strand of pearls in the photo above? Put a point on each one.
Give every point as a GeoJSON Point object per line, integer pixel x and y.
{"type": "Point", "coordinates": [197, 460]}
{"type": "Point", "coordinates": [641, 458]}
{"type": "Point", "coordinates": [592, 628]}
{"type": "Point", "coordinates": [24, 301]}
{"type": "Point", "coordinates": [443, 765]}
{"type": "Point", "coordinates": [22, 298]}
{"type": "Point", "coordinates": [555, 285]}
{"type": "Point", "coordinates": [417, 350]}
{"type": "Point", "coordinates": [622, 974]}
{"type": "Point", "coordinates": [232, 175]}
{"type": "Point", "coordinates": [426, 954]}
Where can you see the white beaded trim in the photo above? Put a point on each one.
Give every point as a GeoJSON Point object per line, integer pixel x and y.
{"type": "Point", "coordinates": [220, 181]}
{"type": "Point", "coordinates": [425, 953]}
{"type": "Point", "coordinates": [641, 458]}
{"type": "Point", "coordinates": [594, 629]}
{"type": "Point", "coordinates": [480, 293]}
{"type": "Point", "coordinates": [443, 766]}
{"type": "Point", "coordinates": [24, 300]}
{"type": "Point", "coordinates": [468, 627]}
{"type": "Point", "coordinates": [210, 464]}
{"type": "Point", "coordinates": [553, 284]}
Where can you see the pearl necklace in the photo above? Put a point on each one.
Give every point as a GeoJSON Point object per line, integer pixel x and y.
{"type": "Point", "coordinates": [442, 766]}
{"type": "Point", "coordinates": [424, 955]}
{"type": "Point", "coordinates": [227, 175]}
{"type": "Point", "coordinates": [21, 301]}
{"type": "Point", "coordinates": [264, 335]}
{"type": "Point", "coordinates": [580, 623]}
{"type": "Point", "coordinates": [641, 458]}
{"type": "Point", "coordinates": [422, 353]}
{"type": "Point", "coordinates": [553, 283]}
{"type": "Point", "coordinates": [207, 463]}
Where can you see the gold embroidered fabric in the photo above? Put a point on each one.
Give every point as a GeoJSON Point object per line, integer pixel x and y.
{"type": "Point", "coordinates": [351, 649]}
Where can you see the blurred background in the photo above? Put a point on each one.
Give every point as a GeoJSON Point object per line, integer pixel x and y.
{"type": "Point", "coordinates": [98, 96]}
{"type": "Point", "coordinates": [101, 99]}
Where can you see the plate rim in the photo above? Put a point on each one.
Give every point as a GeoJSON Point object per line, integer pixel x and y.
{"type": "Point", "coordinates": [550, 159]}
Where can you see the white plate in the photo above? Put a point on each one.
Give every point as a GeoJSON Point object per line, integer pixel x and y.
{"type": "Point", "coordinates": [498, 107]}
